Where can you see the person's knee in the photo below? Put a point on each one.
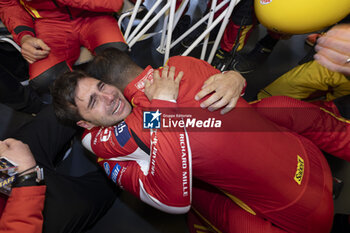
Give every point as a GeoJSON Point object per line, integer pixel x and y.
{"type": "Point", "coordinates": [118, 45]}
{"type": "Point", "coordinates": [41, 83]}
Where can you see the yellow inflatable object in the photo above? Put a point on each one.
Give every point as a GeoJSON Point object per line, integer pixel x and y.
{"type": "Point", "coordinates": [300, 16]}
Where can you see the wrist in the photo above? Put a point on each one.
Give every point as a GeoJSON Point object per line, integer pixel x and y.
{"type": "Point", "coordinates": [165, 97]}
{"type": "Point", "coordinates": [28, 170]}
{"type": "Point", "coordinates": [24, 38]}
{"type": "Point", "coordinates": [28, 179]}
{"type": "Point", "coordinates": [31, 177]}
{"type": "Point", "coordinates": [156, 103]}
{"type": "Point", "coordinates": [244, 88]}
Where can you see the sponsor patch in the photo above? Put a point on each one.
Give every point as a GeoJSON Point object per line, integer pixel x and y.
{"type": "Point", "coordinates": [151, 119]}
{"type": "Point", "coordinates": [105, 135]}
{"type": "Point", "coordinates": [122, 134]}
{"type": "Point", "coordinates": [5, 181]}
{"type": "Point", "coordinates": [115, 172]}
{"type": "Point", "coordinates": [97, 135]}
{"type": "Point", "coordinates": [264, 2]}
{"type": "Point", "coordinates": [7, 166]}
{"type": "Point", "coordinates": [300, 170]}
{"type": "Point", "coordinates": [107, 168]}
{"type": "Point", "coordinates": [140, 85]}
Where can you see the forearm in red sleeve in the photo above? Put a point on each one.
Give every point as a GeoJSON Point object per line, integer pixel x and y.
{"type": "Point", "coordinates": [17, 20]}
{"type": "Point", "coordinates": [96, 6]}
{"type": "Point", "coordinates": [326, 130]}
{"type": "Point", "coordinates": [23, 211]}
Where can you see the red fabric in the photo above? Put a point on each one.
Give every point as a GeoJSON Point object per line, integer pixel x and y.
{"type": "Point", "coordinates": [134, 1]}
{"type": "Point", "coordinates": [60, 24]}
{"type": "Point", "coordinates": [229, 38]}
{"type": "Point", "coordinates": [328, 105]}
{"type": "Point", "coordinates": [278, 36]}
{"type": "Point", "coordinates": [2, 204]}
{"type": "Point", "coordinates": [220, 212]}
{"type": "Point", "coordinates": [319, 123]}
{"type": "Point", "coordinates": [257, 165]}
{"type": "Point", "coordinates": [14, 15]}
{"type": "Point", "coordinates": [178, 3]}
{"type": "Point", "coordinates": [90, 32]}
{"type": "Point", "coordinates": [219, 11]}
{"type": "Point", "coordinates": [23, 211]}
{"type": "Point", "coordinates": [215, 210]}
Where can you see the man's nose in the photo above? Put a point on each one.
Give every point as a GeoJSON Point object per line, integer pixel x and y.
{"type": "Point", "coordinates": [108, 98]}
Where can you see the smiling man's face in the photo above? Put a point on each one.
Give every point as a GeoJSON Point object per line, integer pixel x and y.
{"type": "Point", "coordinates": [100, 104]}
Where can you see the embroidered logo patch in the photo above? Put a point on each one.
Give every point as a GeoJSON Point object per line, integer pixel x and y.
{"type": "Point", "coordinates": [140, 85]}
{"type": "Point", "coordinates": [106, 167]}
{"type": "Point", "coordinates": [122, 134]}
{"type": "Point", "coordinates": [115, 172]}
{"type": "Point", "coordinates": [264, 2]}
{"type": "Point", "coordinates": [300, 170]}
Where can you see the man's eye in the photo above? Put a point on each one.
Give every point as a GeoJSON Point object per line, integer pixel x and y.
{"type": "Point", "coordinates": [101, 86]}
{"type": "Point", "coordinates": [93, 103]}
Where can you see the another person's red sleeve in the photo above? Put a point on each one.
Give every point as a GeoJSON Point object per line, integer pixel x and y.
{"type": "Point", "coordinates": [95, 6]}
{"type": "Point", "coordinates": [17, 20]}
{"type": "Point", "coordinates": [23, 210]}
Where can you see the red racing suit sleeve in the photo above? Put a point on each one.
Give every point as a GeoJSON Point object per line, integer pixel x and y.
{"type": "Point", "coordinates": [161, 178]}
{"type": "Point", "coordinates": [17, 20]}
{"type": "Point", "coordinates": [93, 5]}
{"type": "Point", "coordinates": [331, 133]}
{"type": "Point", "coordinates": [23, 211]}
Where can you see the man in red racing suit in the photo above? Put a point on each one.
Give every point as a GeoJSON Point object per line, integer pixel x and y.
{"type": "Point", "coordinates": [277, 176]}
{"type": "Point", "coordinates": [51, 33]}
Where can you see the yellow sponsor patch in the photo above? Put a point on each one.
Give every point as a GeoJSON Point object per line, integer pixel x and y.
{"type": "Point", "coordinates": [7, 181]}
{"type": "Point", "coordinates": [300, 170]}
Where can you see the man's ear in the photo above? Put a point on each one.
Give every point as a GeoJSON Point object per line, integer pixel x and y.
{"type": "Point", "coordinates": [85, 124]}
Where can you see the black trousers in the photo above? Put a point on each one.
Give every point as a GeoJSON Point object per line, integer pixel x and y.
{"type": "Point", "coordinates": [73, 204]}
{"type": "Point", "coordinates": [13, 94]}
{"type": "Point", "coordinates": [343, 105]}
{"type": "Point", "coordinates": [243, 13]}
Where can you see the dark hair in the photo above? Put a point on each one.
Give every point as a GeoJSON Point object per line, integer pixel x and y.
{"type": "Point", "coordinates": [63, 94]}
{"type": "Point", "coordinates": [112, 66]}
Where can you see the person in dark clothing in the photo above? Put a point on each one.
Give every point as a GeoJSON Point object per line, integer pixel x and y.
{"type": "Point", "coordinates": [72, 204]}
